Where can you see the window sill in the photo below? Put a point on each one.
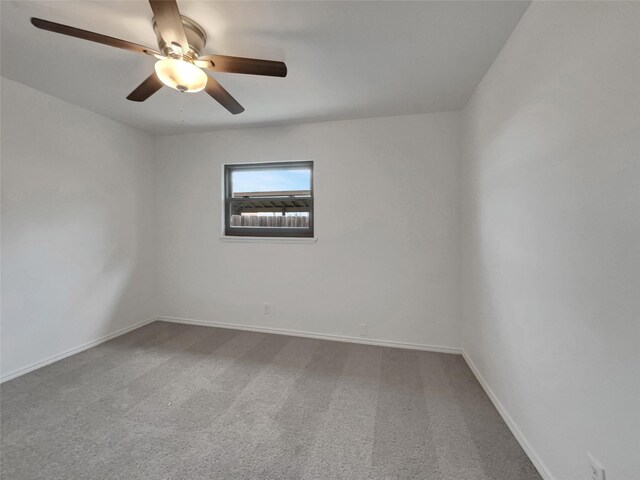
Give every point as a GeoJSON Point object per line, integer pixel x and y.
{"type": "Point", "coordinates": [239, 239]}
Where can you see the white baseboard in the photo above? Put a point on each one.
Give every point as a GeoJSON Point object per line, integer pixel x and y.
{"type": "Point", "coordinates": [513, 426]}
{"type": "Point", "coordinates": [321, 336]}
{"type": "Point", "coordinates": [72, 351]}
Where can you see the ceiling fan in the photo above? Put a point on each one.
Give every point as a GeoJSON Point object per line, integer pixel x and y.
{"type": "Point", "coordinates": [180, 63]}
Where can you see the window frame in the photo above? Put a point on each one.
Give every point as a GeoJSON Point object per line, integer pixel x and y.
{"type": "Point", "coordinates": [266, 232]}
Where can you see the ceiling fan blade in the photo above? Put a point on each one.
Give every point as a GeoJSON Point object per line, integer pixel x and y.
{"type": "Point", "coordinates": [147, 88]}
{"type": "Point", "coordinates": [223, 97]}
{"type": "Point", "coordinates": [250, 66]}
{"type": "Point", "coordinates": [169, 23]}
{"type": "Point", "coordinates": [91, 36]}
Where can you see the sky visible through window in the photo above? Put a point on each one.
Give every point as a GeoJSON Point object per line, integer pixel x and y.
{"type": "Point", "coordinates": [271, 180]}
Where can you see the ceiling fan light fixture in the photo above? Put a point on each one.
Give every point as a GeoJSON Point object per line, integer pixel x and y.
{"type": "Point", "coordinates": [181, 75]}
{"type": "Point", "coordinates": [180, 41]}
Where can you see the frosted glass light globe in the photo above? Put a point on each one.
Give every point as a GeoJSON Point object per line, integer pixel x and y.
{"type": "Point", "coordinates": [181, 75]}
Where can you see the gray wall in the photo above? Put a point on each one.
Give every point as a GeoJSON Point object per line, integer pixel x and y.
{"type": "Point", "coordinates": [77, 227]}
{"type": "Point", "coordinates": [393, 265]}
{"type": "Point", "coordinates": [551, 231]}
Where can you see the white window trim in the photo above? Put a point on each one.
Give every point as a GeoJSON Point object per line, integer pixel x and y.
{"type": "Point", "coordinates": [240, 239]}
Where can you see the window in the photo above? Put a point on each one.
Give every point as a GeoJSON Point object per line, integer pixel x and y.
{"type": "Point", "coordinates": [269, 199]}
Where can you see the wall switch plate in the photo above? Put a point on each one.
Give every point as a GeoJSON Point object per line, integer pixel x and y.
{"type": "Point", "coordinates": [363, 329]}
{"type": "Point", "coordinates": [597, 470]}
{"type": "Point", "coordinates": [267, 308]}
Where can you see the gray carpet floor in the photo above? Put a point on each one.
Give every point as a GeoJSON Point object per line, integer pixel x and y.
{"type": "Point", "coordinates": [170, 401]}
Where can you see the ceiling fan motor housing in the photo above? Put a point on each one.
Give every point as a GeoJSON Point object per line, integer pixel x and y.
{"type": "Point", "coordinates": [196, 37]}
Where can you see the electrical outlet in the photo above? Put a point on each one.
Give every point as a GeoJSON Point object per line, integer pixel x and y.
{"type": "Point", "coordinates": [267, 309]}
{"type": "Point", "coordinates": [363, 329]}
{"type": "Point", "coordinates": [597, 470]}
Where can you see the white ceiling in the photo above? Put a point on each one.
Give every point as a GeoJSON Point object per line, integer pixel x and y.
{"type": "Point", "coordinates": [349, 59]}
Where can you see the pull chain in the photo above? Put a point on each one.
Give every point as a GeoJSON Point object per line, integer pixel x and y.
{"type": "Point", "coordinates": [181, 125]}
